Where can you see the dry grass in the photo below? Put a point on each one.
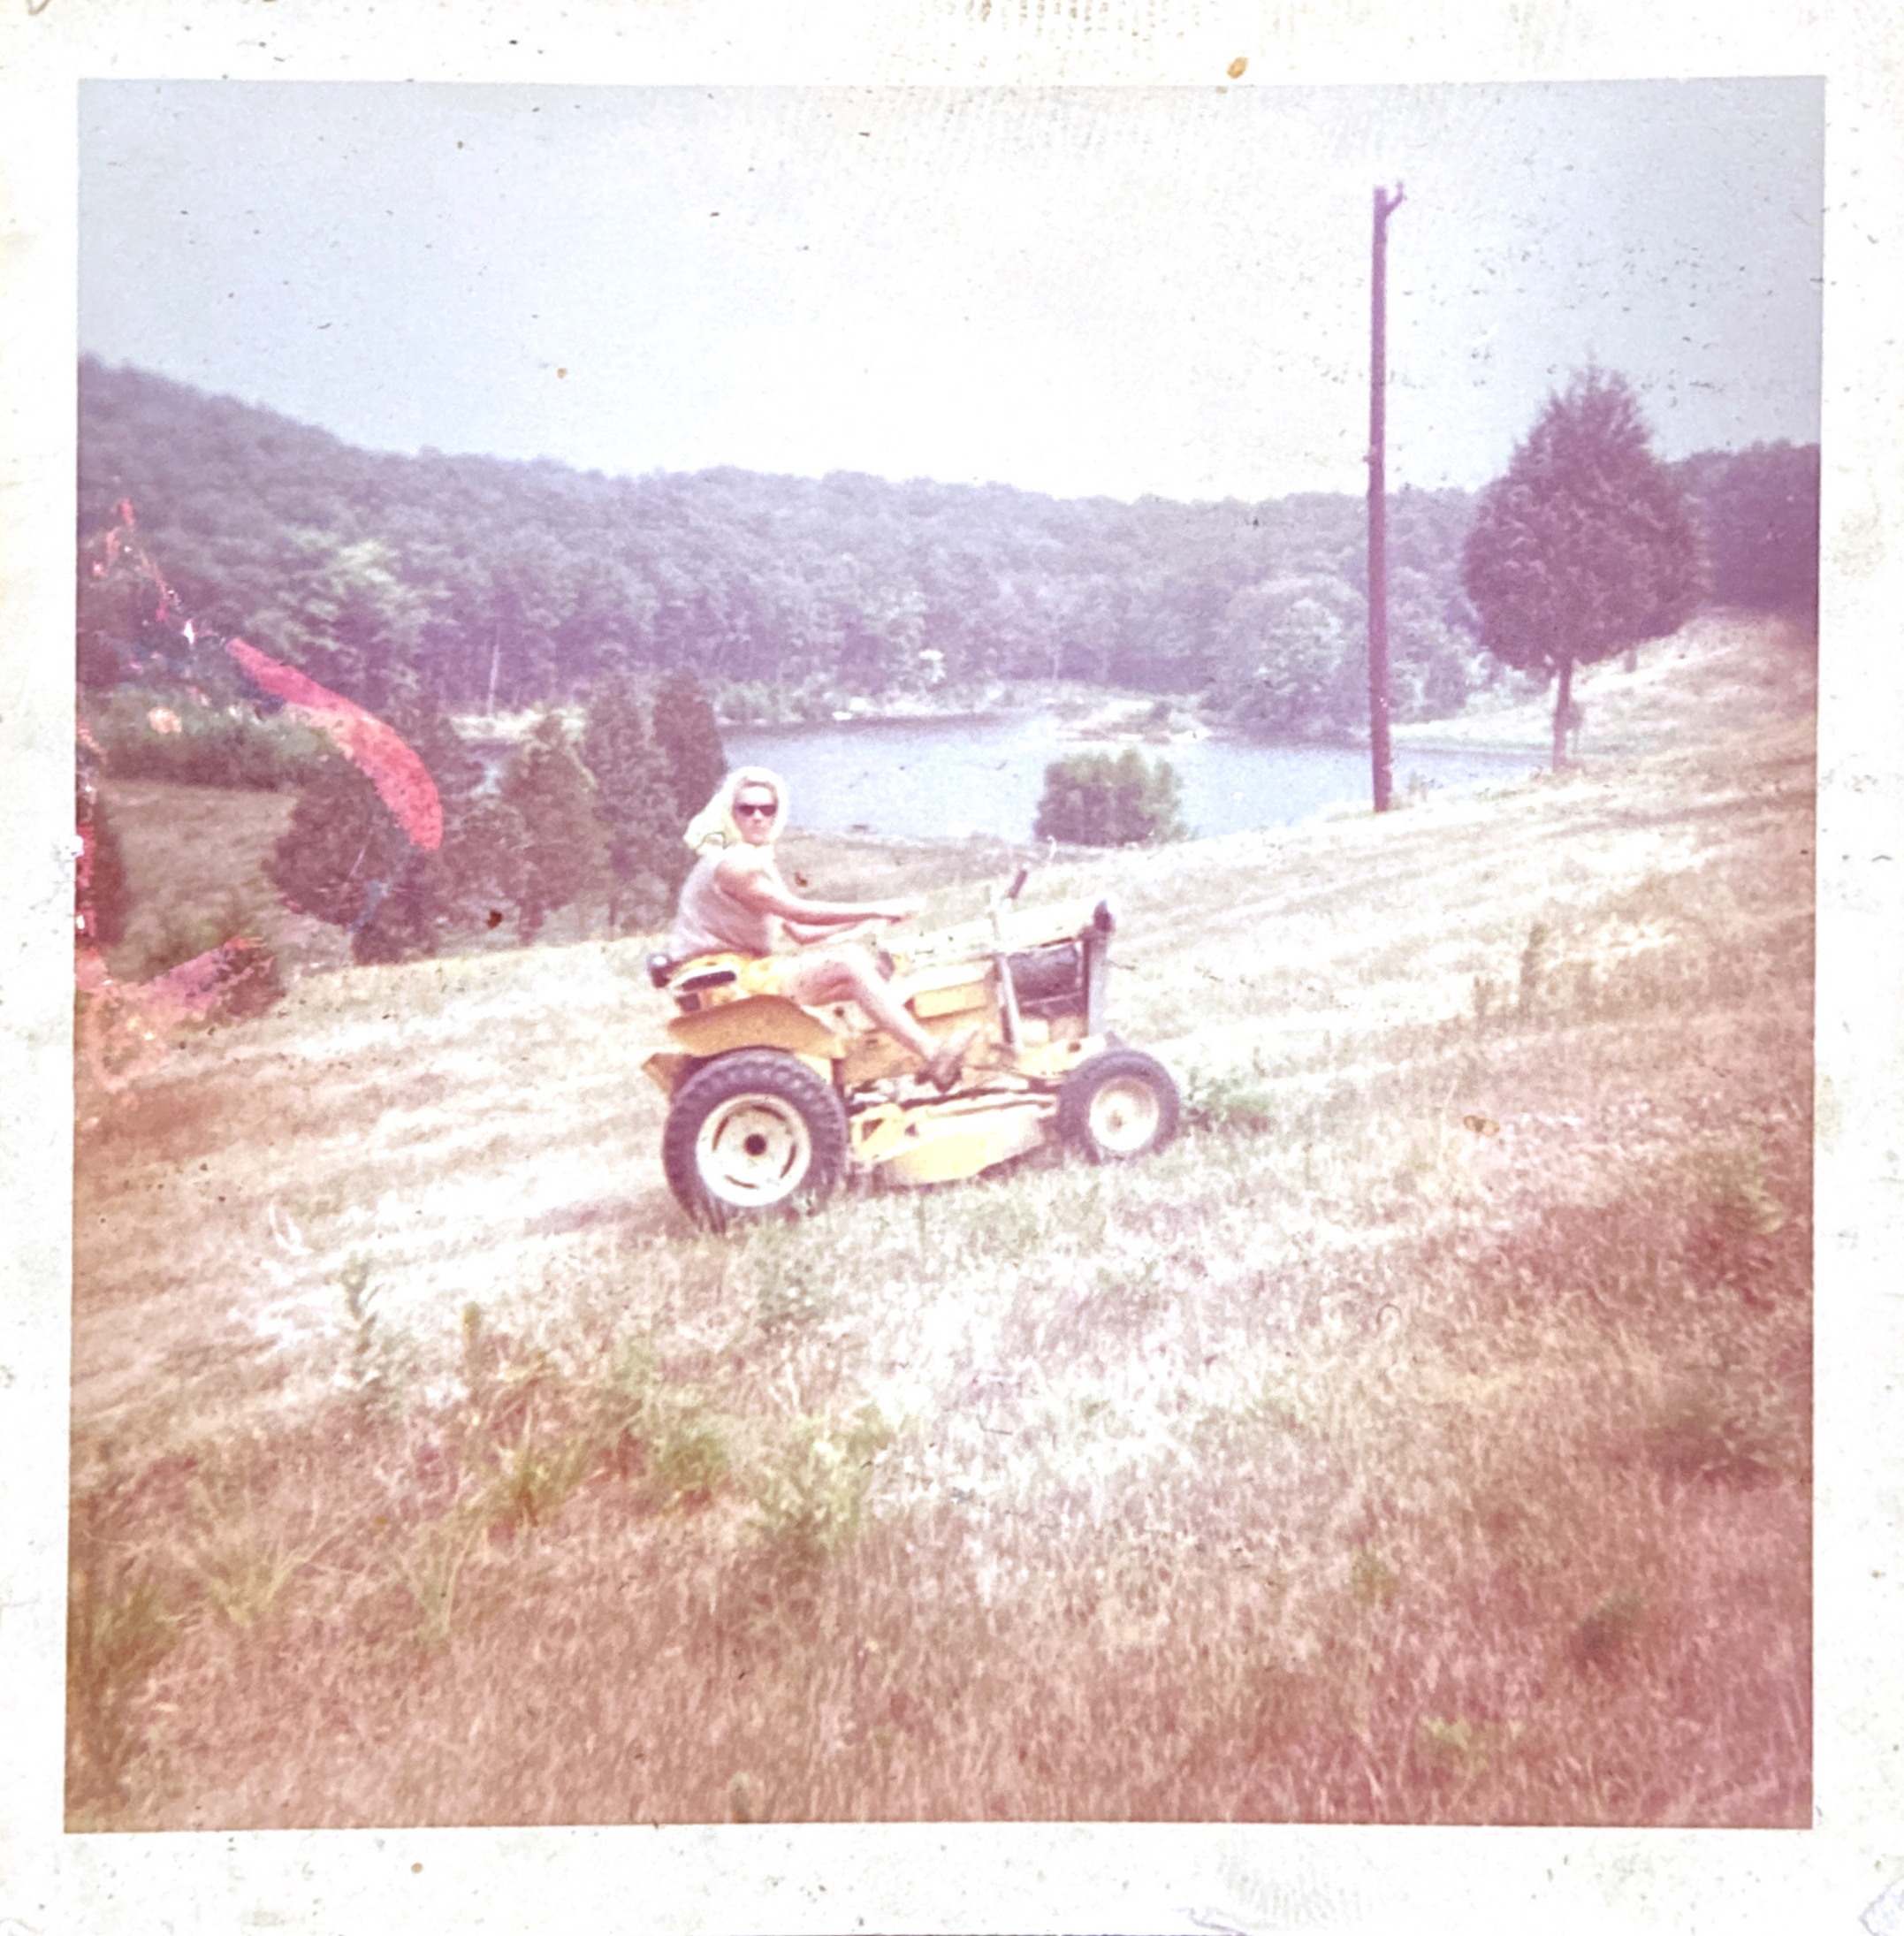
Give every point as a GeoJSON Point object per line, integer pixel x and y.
{"type": "Point", "coordinates": [1424, 1438]}
{"type": "Point", "coordinates": [1725, 671]}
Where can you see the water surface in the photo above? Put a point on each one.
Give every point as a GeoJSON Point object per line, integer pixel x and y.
{"type": "Point", "coordinates": [925, 778]}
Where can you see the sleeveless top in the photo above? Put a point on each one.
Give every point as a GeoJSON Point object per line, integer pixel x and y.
{"type": "Point", "coordinates": [711, 921]}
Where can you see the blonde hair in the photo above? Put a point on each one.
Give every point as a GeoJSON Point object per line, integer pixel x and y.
{"type": "Point", "coordinates": [714, 827]}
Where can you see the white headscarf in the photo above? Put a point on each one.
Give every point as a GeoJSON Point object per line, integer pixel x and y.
{"type": "Point", "coordinates": [714, 827]}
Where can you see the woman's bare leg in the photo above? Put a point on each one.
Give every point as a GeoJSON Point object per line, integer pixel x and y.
{"type": "Point", "coordinates": [813, 980]}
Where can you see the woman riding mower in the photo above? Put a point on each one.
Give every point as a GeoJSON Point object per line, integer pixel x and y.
{"type": "Point", "coordinates": [734, 904]}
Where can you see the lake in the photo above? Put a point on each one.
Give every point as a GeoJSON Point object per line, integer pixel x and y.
{"type": "Point", "coordinates": [925, 778]}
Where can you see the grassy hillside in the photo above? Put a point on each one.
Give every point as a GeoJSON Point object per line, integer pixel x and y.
{"type": "Point", "coordinates": [1724, 672]}
{"type": "Point", "coordinates": [1424, 1436]}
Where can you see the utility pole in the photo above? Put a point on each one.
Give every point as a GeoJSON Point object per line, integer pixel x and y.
{"type": "Point", "coordinates": [1386, 205]}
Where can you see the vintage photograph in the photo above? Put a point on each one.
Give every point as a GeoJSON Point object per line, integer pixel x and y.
{"type": "Point", "coordinates": [944, 953]}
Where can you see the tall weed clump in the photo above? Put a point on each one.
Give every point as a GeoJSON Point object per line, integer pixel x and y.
{"type": "Point", "coordinates": [809, 1500]}
{"type": "Point", "coordinates": [120, 1627]}
{"type": "Point", "coordinates": [1232, 1097]}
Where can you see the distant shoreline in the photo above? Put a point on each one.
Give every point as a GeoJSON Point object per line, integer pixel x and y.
{"type": "Point", "coordinates": [1724, 670]}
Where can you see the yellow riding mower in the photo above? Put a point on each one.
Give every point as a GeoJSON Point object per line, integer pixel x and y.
{"type": "Point", "coordinates": [769, 1103]}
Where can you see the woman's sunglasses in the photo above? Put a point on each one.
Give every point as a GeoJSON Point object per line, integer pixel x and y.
{"type": "Point", "coordinates": [765, 812]}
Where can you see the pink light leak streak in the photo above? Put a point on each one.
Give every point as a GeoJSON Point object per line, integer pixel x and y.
{"type": "Point", "coordinates": [401, 780]}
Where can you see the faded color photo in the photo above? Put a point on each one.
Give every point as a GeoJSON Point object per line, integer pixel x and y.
{"type": "Point", "coordinates": [892, 1007]}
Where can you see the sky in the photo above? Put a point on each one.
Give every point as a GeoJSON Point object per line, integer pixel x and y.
{"type": "Point", "coordinates": [1093, 291]}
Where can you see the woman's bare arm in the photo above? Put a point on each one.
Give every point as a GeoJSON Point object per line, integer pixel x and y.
{"type": "Point", "coordinates": [755, 882]}
{"type": "Point", "coordinates": [806, 931]}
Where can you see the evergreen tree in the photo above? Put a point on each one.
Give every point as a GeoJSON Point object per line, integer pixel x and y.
{"type": "Point", "coordinates": [1586, 546]}
{"type": "Point", "coordinates": [1103, 800]}
{"type": "Point", "coordinates": [477, 871]}
{"type": "Point", "coordinates": [345, 859]}
{"type": "Point", "coordinates": [1761, 515]}
{"type": "Point", "coordinates": [690, 739]}
{"type": "Point", "coordinates": [565, 852]}
{"type": "Point", "coordinates": [434, 890]}
{"type": "Point", "coordinates": [485, 840]}
{"type": "Point", "coordinates": [341, 856]}
{"type": "Point", "coordinates": [634, 802]}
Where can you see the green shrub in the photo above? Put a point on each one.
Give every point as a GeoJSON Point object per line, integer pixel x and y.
{"type": "Point", "coordinates": [153, 735]}
{"type": "Point", "coordinates": [1111, 800]}
{"type": "Point", "coordinates": [687, 1455]}
{"type": "Point", "coordinates": [1228, 1099]}
{"type": "Point", "coordinates": [809, 1504]}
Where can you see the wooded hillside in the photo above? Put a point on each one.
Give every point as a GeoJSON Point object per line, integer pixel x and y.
{"type": "Point", "coordinates": [519, 583]}
{"type": "Point", "coordinates": [541, 579]}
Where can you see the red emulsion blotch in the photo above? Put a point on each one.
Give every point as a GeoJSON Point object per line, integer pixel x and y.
{"type": "Point", "coordinates": [123, 1026]}
{"type": "Point", "coordinates": [401, 780]}
{"type": "Point", "coordinates": [214, 979]}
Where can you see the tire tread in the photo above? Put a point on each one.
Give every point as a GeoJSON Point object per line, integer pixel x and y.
{"type": "Point", "coordinates": [752, 1071]}
{"type": "Point", "coordinates": [1110, 1065]}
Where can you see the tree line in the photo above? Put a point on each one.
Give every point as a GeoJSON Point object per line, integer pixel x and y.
{"type": "Point", "coordinates": [500, 585]}
{"type": "Point", "coordinates": [596, 820]}
{"type": "Point", "coordinates": [513, 584]}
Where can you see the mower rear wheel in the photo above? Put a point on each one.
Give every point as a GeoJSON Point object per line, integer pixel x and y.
{"type": "Point", "coordinates": [1118, 1106]}
{"type": "Point", "coordinates": [750, 1134]}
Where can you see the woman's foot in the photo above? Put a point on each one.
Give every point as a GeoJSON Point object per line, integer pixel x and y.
{"type": "Point", "coordinates": [941, 1067]}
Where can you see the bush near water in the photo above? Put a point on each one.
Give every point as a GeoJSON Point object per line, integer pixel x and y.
{"type": "Point", "coordinates": [1111, 800]}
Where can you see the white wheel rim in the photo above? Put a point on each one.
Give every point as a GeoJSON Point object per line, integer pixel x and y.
{"type": "Point", "coordinates": [752, 1151]}
{"type": "Point", "coordinates": [1124, 1117]}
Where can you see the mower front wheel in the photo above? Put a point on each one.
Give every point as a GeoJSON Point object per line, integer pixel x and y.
{"type": "Point", "coordinates": [750, 1134]}
{"type": "Point", "coordinates": [1118, 1106]}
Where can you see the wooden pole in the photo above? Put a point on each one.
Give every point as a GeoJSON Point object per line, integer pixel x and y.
{"type": "Point", "coordinates": [1379, 754]}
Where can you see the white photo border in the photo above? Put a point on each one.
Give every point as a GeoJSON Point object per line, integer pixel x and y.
{"type": "Point", "coordinates": [1090, 1877]}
